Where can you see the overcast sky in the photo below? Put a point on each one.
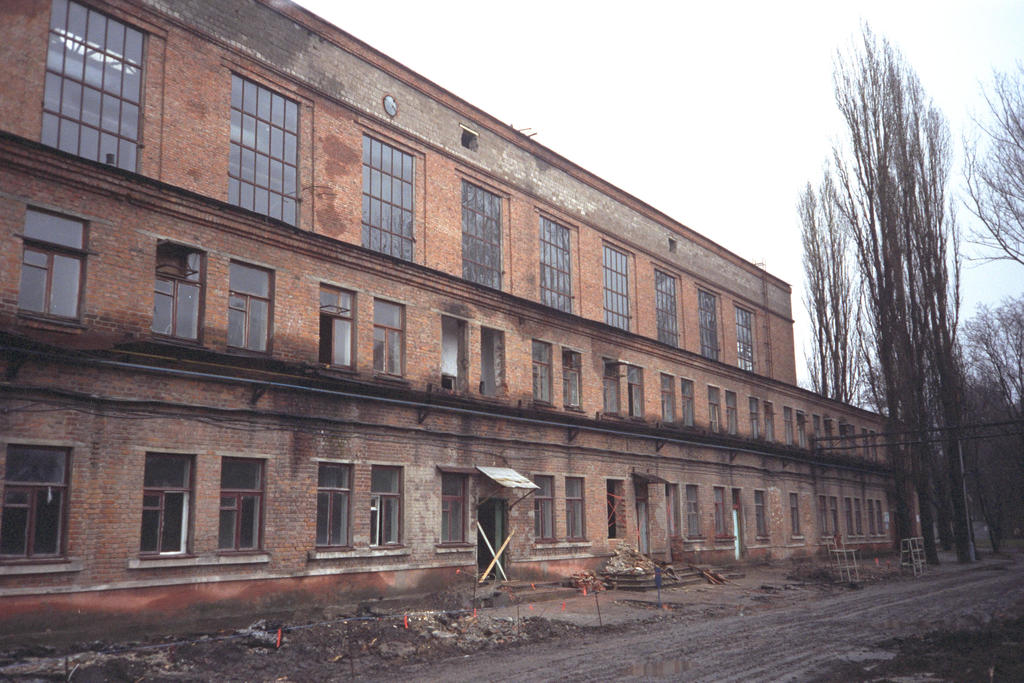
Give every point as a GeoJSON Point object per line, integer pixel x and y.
{"type": "Point", "coordinates": [717, 113]}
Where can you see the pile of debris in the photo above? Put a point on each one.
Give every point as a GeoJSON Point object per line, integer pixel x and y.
{"type": "Point", "coordinates": [628, 560]}
{"type": "Point", "coordinates": [587, 581]}
{"type": "Point", "coordinates": [628, 569]}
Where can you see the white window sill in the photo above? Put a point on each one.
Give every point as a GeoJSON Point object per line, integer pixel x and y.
{"type": "Point", "coordinates": [57, 567]}
{"type": "Point", "coordinates": [203, 561]}
{"type": "Point", "coordinates": [356, 552]}
{"type": "Point", "coordinates": [562, 545]}
{"type": "Point", "coordinates": [448, 549]}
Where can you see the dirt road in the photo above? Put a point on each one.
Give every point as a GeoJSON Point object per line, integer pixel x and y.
{"type": "Point", "coordinates": [813, 639]}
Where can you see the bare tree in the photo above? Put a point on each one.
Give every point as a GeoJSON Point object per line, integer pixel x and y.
{"type": "Point", "coordinates": [995, 173]}
{"type": "Point", "coordinates": [994, 345]}
{"type": "Point", "coordinates": [831, 295]}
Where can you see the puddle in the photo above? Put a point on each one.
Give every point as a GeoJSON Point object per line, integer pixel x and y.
{"type": "Point", "coordinates": [658, 668]}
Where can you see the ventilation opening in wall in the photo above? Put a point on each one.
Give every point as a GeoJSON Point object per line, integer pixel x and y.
{"type": "Point", "coordinates": [470, 139]}
{"type": "Point", "coordinates": [671, 244]}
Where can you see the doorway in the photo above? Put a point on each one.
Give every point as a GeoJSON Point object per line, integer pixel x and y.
{"type": "Point", "coordinates": [737, 524]}
{"type": "Point", "coordinates": [642, 525]}
{"type": "Point", "coordinates": [492, 518]}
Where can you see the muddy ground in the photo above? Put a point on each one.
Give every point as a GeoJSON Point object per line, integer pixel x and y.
{"type": "Point", "coordinates": [786, 621]}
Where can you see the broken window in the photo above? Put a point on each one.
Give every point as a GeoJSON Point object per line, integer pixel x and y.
{"type": "Point", "coordinates": [787, 422]}
{"type": "Point", "coordinates": [721, 525]}
{"type": "Point", "coordinates": [454, 361]}
{"type": "Point", "coordinates": [166, 501]}
{"type": "Point", "coordinates": [692, 512]}
{"type": "Point", "coordinates": [635, 387]}
{"type": "Point", "coordinates": [91, 107]}
{"type": "Point", "coordinates": [249, 307]}
{"type": "Point", "coordinates": [388, 175]}
{"type": "Point", "coordinates": [52, 266]}
{"type": "Point", "coordinates": [687, 404]}
{"type": "Point", "coordinates": [571, 370]}
{"type": "Point", "coordinates": [614, 498]}
{"type": "Point", "coordinates": [333, 493]}
{"type": "Point", "coordinates": [616, 288]}
{"type": "Point", "coordinates": [760, 517]}
{"type": "Point", "coordinates": [745, 339]}
{"type": "Point", "coordinates": [541, 372]}
{"type": "Point", "coordinates": [544, 508]}
{"type": "Point", "coordinates": [385, 505]}
{"type": "Point", "coordinates": [470, 139]}
{"type": "Point", "coordinates": [794, 513]}
{"type": "Point", "coordinates": [492, 361]}
{"type": "Point", "coordinates": [241, 504]}
{"type": "Point", "coordinates": [755, 418]}
{"type": "Point", "coordinates": [574, 523]}
{"type": "Point", "coordinates": [177, 291]}
{"type": "Point", "coordinates": [665, 308]}
{"type": "Point", "coordinates": [714, 410]}
{"type": "Point", "coordinates": [731, 413]}
{"type": "Point", "coordinates": [337, 328]}
{"type": "Point", "coordinates": [453, 506]}
{"type": "Point", "coordinates": [263, 170]}
{"type": "Point", "coordinates": [388, 338]}
{"type": "Point", "coordinates": [708, 304]}
{"type": "Point", "coordinates": [481, 236]}
{"type": "Point", "coordinates": [34, 499]}
{"type": "Point", "coordinates": [610, 387]}
{"type": "Point", "coordinates": [769, 421]}
{"type": "Point", "coordinates": [823, 515]}
{"type": "Point", "coordinates": [668, 398]}
{"type": "Point", "coordinates": [555, 283]}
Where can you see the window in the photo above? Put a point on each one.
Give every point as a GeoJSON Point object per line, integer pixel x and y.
{"type": "Point", "coordinates": [665, 308]}
{"type": "Point", "coordinates": [857, 516]}
{"type": "Point", "coordinates": [574, 524]}
{"type": "Point", "coordinates": [794, 513]}
{"type": "Point", "coordinates": [769, 421]}
{"type": "Point", "coordinates": [635, 390]}
{"type": "Point", "coordinates": [492, 361]}
{"type": "Point", "coordinates": [672, 510]}
{"type": "Point", "coordinates": [721, 528]}
{"type": "Point", "coordinates": [787, 421]}
{"type": "Point", "coordinates": [873, 440]}
{"type": "Point", "coordinates": [878, 517]}
{"type": "Point", "coordinates": [93, 86]}
{"type": "Point", "coordinates": [828, 432]}
{"type": "Point", "coordinates": [388, 338]}
{"type": "Point", "coordinates": [731, 413]}
{"type": "Point", "coordinates": [833, 513]}
{"type": "Point", "coordinates": [52, 265]}
{"type": "Point", "coordinates": [801, 429]}
{"type": "Point", "coordinates": [759, 514]}
{"type": "Point", "coordinates": [249, 308]}
{"type": "Point", "coordinates": [616, 288]}
{"type": "Point", "coordinates": [481, 236]}
{"type": "Point", "coordinates": [707, 304]}
{"type": "Point", "coordinates": [610, 383]}
{"type": "Point", "coordinates": [687, 405]}
{"type": "Point", "coordinates": [571, 368]}
{"type": "Point", "coordinates": [333, 493]}
{"type": "Point", "coordinates": [263, 171]}
{"type": "Point", "coordinates": [177, 291]}
{"type": "Point", "coordinates": [241, 504]}
{"type": "Point", "coordinates": [387, 199]}
{"type": "Point", "coordinates": [454, 360]}
{"type": "Point", "coordinates": [614, 499]}
{"type": "Point", "coordinates": [823, 515]}
{"type": "Point", "coordinates": [337, 331]}
{"type": "Point", "coordinates": [385, 505]}
{"type": "Point", "coordinates": [848, 506]}
{"type": "Point", "coordinates": [34, 503]}
{"type": "Point", "coordinates": [668, 398]}
{"type": "Point", "coordinates": [541, 372]}
{"type": "Point", "coordinates": [714, 410]}
{"type": "Point", "coordinates": [755, 418]}
{"type": "Point", "coordinates": [469, 139]}
{"type": "Point", "coordinates": [453, 506]}
{"type": "Point", "coordinates": [544, 509]}
{"type": "Point", "coordinates": [166, 501]}
{"type": "Point", "coordinates": [816, 426]}
{"type": "Point", "coordinates": [555, 283]}
{"type": "Point", "coordinates": [871, 516]}
{"type": "Point", "coordinates": [692, 512]}
{"type": "Point", "coordinates": [745, 339]}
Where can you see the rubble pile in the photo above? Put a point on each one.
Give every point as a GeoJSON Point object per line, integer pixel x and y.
{"type": "Point", "coordinates": [587, 580]}
{"type": "Point", "coordinates": [627, 560]}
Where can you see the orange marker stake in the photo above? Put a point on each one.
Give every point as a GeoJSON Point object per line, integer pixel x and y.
{"type": "Point", "coordinates": [407, 621]}
{"type": "Point", "coordinates": [458, 571]}
{"type": "Point", "coordinates": [279, 638]}
{"type": "Point", "coordinates": [531, 606]}
{"type": "Point", "coordinates": [474, 612]}
{"type": "Point", "coordinates": [584, 591]}
{"type": "Point", "coordinates": [563, 605]}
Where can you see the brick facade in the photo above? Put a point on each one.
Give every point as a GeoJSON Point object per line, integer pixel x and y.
{"type": "Point", "coordinates": [102, 386]}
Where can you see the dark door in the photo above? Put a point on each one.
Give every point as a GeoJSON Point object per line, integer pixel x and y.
{"type": "Point", "coordinates": [492, 516]}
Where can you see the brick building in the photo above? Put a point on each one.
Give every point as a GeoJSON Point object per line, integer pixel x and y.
{"type": "Point", "coordinates": [284, 321]}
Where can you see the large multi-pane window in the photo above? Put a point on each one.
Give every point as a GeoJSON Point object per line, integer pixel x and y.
{"type": "Point", "coordinates": [166, 503]}
{"type": "Point", "coordinates": [52, 265]}
{"type": "Point", "coordinates": [241, 504]}
{"type": "Point", "coordinates": [721, 525]}
{"type": "Point", "coordinates": [801, 429]}
{"type": "Point", "coordinates": [544, 508]}
{"type": "Point", "coordinates": [745, 339]}
{"type": "Point", "coordinates": [453, 508]}
{"type": "Point", "coordinates": [249, 307]}
{"type": "Point", "coordinates": [769, 421]}
{"type": "Point", "coordinates": [668, 398]}
{"type": "Point", "coordinates": [572, 366]}
{"type": "Point", "coordinates": [610, 387]}
{"type": "Point", "coordinates": [794, 513]}
{"type": "Point", "coordinates": [692, 512]}
{"type": "Point", "coordinates": [848, 509]}
{"type": "Point", "coordinates": [385, 505]}
{"type": "Point", "coordinates": [823, 515]}
{"type": "Point", "coordinates": [755, 418]}
{"type": "Point", "coordinates": [177, 291]}
{"type": "Point", "coordinates": [616, 288]}
{"type": "Point", "coordinates": [672, 511]}
{"type": "Point", "coordinates": [731, 413]}
{"type": "Point", "coordinates": [93, 86]}
{"type": "Point", "coordinates": [555, 282]}
{"type": "Point", "coordinates": [336, 326]}
{"type": "Point", "coordinates": [787, 424]}
{"type": "Point", "coordinates": [665, 308]}
{"type": "Point", "coordinates": [857, 516]}
{"type": "Point", "coordinates": [333, 493]}
{"type": "Point", "coordinates": [388, 338]}
{"type": "Point", "coordinates": [387, 199]}
{"type": "Point", "coordinates": [714, 409]}
{"type": "Point", "coordinates": [35, 496]}
{"type": "Point", "coordinates": [686, 386]}
{"type": "Point", "coordinates": [574, 525]}
{"type": "Point", "coordinates": [481, 236]}
{"type": "Point", "coordinates": [871, 516]}
{"type": "Point", "coordinates": [707, 304]}
{"type": "Point", "coordinates": [541, 372]}
{"type": "Point", "coordinates": [635, 390]}
{"type": "Point", "coordinates": [760, 517]}
{"type": "Point", "coordinates": [263, 170]}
